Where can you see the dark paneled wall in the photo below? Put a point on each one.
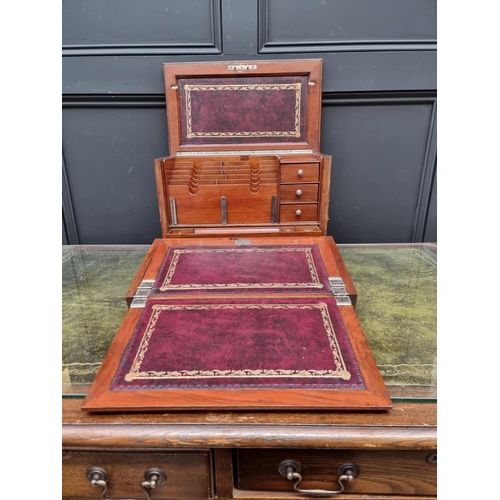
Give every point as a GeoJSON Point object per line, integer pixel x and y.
{"type": "Point", "coordinates": [378, 116]}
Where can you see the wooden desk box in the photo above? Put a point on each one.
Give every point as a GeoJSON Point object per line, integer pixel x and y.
{"type": "Point", "coordinates": [244, 303]}
{"type": "Point", "coordinates": [244, 140]}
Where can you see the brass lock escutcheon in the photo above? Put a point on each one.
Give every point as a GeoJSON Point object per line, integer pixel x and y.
{"type": "Point", "coordinates": [345, 472]}
{"type": "Point", "coordinates": [153, 478]}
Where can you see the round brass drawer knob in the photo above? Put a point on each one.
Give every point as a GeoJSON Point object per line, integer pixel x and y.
{"type": "Point", "coordinates": [300, 173]}
{"type": "Point", "coordinates": [298, 212]}
{"type": "Point", "coordinates": [298, 192]}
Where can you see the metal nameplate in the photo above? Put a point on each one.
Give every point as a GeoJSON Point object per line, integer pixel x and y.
{"type": "Point", "coordinates": [242, 242]}
{"type": "Point", "coordinates": [242, 67]}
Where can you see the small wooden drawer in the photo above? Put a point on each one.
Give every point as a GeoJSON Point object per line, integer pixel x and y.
{"type": "Point", "coordinates": [293, 193]}
{"type": "Point", "coordinates": [380, 472]}
{"type": "Point", "coordinates": [299, 212]}
{"type": "Point", "coordinates": [300, 172]}
{"type": "Point", "coordinates": [187, 474]}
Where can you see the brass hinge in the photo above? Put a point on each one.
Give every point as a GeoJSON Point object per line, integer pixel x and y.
{"type": "Point", "coordinates": [142, 293]}
{"type": "Point", "coordinates": [339, 291]}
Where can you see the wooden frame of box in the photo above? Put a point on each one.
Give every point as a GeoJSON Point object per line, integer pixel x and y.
{"type": "Point", "coordinates": [245, 175]}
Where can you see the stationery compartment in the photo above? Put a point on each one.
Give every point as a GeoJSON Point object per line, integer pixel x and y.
{"type": "Point", "coordinates": [222, 190]}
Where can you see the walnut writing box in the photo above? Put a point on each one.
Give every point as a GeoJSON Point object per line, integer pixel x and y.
{"type": "Point", "coordinates": [245, 302]}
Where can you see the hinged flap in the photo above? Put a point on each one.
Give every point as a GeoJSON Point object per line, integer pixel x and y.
{"type": "Point", "coordinates": [227, 106]}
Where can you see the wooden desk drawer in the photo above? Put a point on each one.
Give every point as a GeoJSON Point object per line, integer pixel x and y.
{"type": "Point", "coordinates": [300, 172]}
{"type": "Point", "coordinates": [298, 193]}
{"type": "Point", "coordinates": [187, 474]}
{"type": "Point", "coordinates": [380, 472]}
{"type": "Point", "coordinates": [299, 212]}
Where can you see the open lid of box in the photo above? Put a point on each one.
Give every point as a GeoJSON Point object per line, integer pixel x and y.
{"type": "Point", "coordinates": [244, 106]}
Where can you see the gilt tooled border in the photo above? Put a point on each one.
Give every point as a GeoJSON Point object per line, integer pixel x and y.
{"type": "Point", "coordinates": [261, 86]}
{"type": "Point", "coordinates": [167, 285]}
{"type": "Point", "coordinates": [135, 372]}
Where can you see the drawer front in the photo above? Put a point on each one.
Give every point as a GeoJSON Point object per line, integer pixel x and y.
{"type": "Point", "coordinates": [299, 212]}
{"type": "Point", "coordinates": [187, 474]}
{"type": "Point", "coordinates": [292, 193]}
{"type": "Point", "coordinates": [380, 472]}
{"type": "Point", "coordinates": [300, 172]}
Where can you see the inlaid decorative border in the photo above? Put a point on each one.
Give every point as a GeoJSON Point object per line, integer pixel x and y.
{"type": "Point", "coordinates": [135, 372]}
{"type": "Point", "coordinates": [188, 88]}
{"type": "Point", "coordinates": [167, 283]}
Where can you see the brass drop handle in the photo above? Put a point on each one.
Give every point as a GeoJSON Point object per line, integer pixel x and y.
{"type": "Point", "coordinates": [152, 479]}
{"type": "Point", "coordinates": [300, 173]}
{"type": "Point", "coordinates": [291, 470]}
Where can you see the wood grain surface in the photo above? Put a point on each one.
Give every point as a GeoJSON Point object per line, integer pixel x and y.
{"type": "Point", "coordinates": [188, 474]}
{"type": "Point", "coordinates": [409, 426]}
{"type": "Point", "coordinates": [382, 472]}
{"type": "Point", "coordinates": [310, 67]}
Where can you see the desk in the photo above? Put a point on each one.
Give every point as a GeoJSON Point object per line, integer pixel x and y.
{"type": "Point", "coordinates": [237, 454]}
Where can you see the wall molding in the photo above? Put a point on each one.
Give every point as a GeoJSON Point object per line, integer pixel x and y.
{"type": "Point", "coordinates": [141, 50]}
{"type": "Point", "coordinates": [389, 97]}
{"type": "Point", "coordinates": [68, 212]}
{"type": "Point", "coordinates": [176, 49]}
{"type": "Point", "coordinates": [328, 98]}
{"type": "Point", "coordinates": [428, 173]}
{"type": "Point", "coordinates": [362, 45]}
{"type": "Point", "coordinates": [429, 165]}
{"type": "Point", "coordinates": [113, 101]}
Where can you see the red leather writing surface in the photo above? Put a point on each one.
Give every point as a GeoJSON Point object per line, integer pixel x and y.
{"type": "Point", "coordinates": [277, 268]}
{"type": "Point", "coordinates": [243, 109]}
{"type": "Point", "coordinates": [239, 343]}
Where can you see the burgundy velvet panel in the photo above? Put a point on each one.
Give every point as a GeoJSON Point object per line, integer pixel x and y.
{"type": "Point", "coordinates": [243, 109]}
{"type": "Point", "coordinates": [277, 268]}
{"type": "Point", "coordinates": [239, 344]}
